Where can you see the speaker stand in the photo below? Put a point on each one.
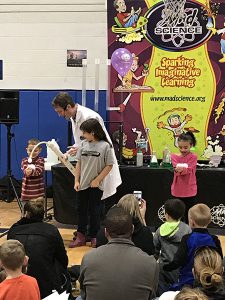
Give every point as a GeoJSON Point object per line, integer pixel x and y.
{"type": "Point", "coordinates": [10, 178]}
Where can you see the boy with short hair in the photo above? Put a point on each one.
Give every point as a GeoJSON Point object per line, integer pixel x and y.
{"type": "Point", "coordinates": [199, 217]}
{"type": "Point", "coordinates": [167, 240]}
{"type": "Point", "coordinates": [17, 285]}
{"type": "Point", "coordinates": [33, 178]}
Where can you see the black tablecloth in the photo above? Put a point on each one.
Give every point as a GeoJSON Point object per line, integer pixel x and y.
{"type": "Point", "coordinates": [155, 186]}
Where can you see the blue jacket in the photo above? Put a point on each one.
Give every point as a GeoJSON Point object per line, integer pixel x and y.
{"type": "Point", "coordinates": [184, 258]}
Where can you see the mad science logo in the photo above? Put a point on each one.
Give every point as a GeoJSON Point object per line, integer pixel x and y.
{"type": "Point", "coordinates": [177, 25]}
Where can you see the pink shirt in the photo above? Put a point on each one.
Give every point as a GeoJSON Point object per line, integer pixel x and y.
{"type": "Point", "coordinates": [184, 183]}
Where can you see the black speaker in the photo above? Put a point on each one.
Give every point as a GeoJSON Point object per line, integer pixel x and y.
{"type": "Point", "coordinates": [9, 107]}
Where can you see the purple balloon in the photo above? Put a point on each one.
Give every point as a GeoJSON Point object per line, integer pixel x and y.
{"type": "Point", "coordinates": [121, 60]}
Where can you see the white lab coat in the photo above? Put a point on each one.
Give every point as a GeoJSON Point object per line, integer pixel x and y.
{"type": "Point", "coordinates": [113, 179]}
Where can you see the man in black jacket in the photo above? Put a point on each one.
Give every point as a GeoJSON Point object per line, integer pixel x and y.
{"type": "Point", "coordinates": [44, 246]}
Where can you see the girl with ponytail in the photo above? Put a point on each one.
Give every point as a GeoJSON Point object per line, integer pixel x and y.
{"type": "Point", "coordinates": [184, 184]}
{"type": "Point", "coordinates": [208, 272]}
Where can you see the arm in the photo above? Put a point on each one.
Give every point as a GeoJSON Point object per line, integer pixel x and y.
{"type": "Point", "coordinates": [26, 170]}
{"type": "Point", "coordinates": [39, 167]}
{"type": "Point", "coordinates": [81, 279]}
{"type": "Point", "coordinates": [77, 177]}
{"type": "Point", "coordinates": [191, 166]}
{"type": "Point", "coordinates": [155, 284]}
{"type": "Point", "coordinates": [143, 210]}
{"type": "Point", "coordinates": [60, 251]}
{"type": "Point", "coordinates": [180, 257]}
{"type": "Point", "coordinates": [157, 244]}
{"type": "Point", "coordinates": [218, 245]}
{"type": "Point", "coordinates": [137, 78]}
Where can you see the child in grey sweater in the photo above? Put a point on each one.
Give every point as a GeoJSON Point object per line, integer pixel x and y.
{"type": "Point", "coordinates": [167, 240]}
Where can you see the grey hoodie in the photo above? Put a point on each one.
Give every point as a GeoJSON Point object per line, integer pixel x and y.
{"type": "Point", "coordinates": [167, 239]}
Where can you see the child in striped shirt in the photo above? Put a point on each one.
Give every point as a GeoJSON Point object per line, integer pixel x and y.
{"type": "Point", "coordinates": [33, 173]}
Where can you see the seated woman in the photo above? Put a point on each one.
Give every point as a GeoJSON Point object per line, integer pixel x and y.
{"type": "Point", "coordinates": [44, 246]}
{"type": "Point", "coordinates": [208, 272]}
{"type": "Point", "coordinates": [142, 236]}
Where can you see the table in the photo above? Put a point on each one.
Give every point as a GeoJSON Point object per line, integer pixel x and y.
{"type": "Point", "coordinates": [153, 182]}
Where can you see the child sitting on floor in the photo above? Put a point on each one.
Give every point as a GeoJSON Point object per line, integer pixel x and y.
{"type": "Point", "coordinates": [199, 218]}
{"type": "Point", "coordinates": [17, 285]}
{"type": "Point", "coordinates": [167, 240]}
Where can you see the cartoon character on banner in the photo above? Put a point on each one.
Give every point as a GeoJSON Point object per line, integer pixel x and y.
{"type": "Point", "coordinates": [222, 41]}
{"type": "Point", "coordinates": [128, 23]}
{"type": "Point", "coordinates": [175, 124]}
{"type": "Point", "coordinates": [141, 143]}
{"type": "Point", "coordinates": [220, 109]}
{"type": "Point", "coordinates": [126, 74]}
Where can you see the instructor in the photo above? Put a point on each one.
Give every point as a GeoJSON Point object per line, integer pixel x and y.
{"type": "Point", "coordinates": [77, 114]}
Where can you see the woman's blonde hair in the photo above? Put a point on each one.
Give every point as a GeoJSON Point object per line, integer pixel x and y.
{"type": "Point", "coordinates": [131, 205]}
{"type": "Point", "coordinates": [190, 294]}
{"type": "Point", "coordinates": [208, 267]}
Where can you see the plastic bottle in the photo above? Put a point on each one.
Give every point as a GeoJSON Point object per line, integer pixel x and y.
{"type": "Point", "coordinates": [166, 162]}
{"type": "Point", "coordinates": [154, 161]}
{"type": "Point", "coordinates": [52, 158]}
{"type": "Point", "coordinates": [139, 159]}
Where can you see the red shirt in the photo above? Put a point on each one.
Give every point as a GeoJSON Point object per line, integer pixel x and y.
{"type": "Point", "coordinates": [33, 185]}
{"type": "Point", "coordinates": [23, 287]}
{"type": "Point", "coordinates": [121, 17]}
{"type": "Point", "coordinates": [184, 183]}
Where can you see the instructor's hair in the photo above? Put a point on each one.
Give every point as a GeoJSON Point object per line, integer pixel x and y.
{"type": "Point", "coordinates": [93, 126]}
{"type": "Point", "coordinates": [62, 100]}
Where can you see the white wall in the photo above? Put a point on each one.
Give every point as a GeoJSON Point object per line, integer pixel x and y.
{"type": "Point", "coordinates": [34, 38]}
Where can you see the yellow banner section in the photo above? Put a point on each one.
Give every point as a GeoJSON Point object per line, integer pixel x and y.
{"type": "Point", "coordinates": [184, 86]}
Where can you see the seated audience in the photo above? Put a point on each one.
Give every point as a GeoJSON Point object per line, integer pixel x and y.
{"type": "Point", "coordinates": [17, 285]}
{"type": "Point", "coordinates": [185, 294]}
{"type": "Point", "coordinates": [208, 272]}
{"type": "Point", "coordinates": [167, 239]}
{"type": "Point", "coordinates": [44, 246]}
{"type": "Point", "coordinates": [118, 270]}
{"type": "Point", "coordinates": [142, 236]}
{"type": "Point", "coordinates": [190, 294]}
{"type": "Point", "coordinates": [199, 218]}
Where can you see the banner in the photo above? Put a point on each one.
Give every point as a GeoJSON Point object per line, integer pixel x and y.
{"type": "Point", "coordinates": [168, 73]}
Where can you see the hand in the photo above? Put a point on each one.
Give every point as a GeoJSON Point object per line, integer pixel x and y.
{"type": "Point", "coordinates": [188, 118]}
{"type": "Point", "coordinates": [72, 151]}
{"type": "Point", "coordinates": [95, 183]}
{"type": "Point", "coordinates": [28, 171]}
{"type": "Point", "coordinates": [160, 125]}
{"type": "Point", "coordinates": [145, 73]}
{"type": "Point", "coordinates": [132, 11]}
{"type": "Point", "coordinates": [179, 169]}
{"type": "Point", "coordinates": [77, 186]}
{"type": "Point", "coordinates": [142, 208]}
